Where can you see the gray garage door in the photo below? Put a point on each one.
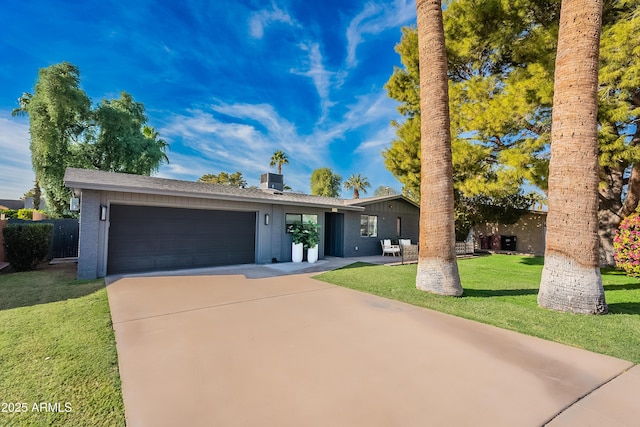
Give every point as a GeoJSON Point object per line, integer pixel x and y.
{"type": "Point", "coordinates": [143, 238]}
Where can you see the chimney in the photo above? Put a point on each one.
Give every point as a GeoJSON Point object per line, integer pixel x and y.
{"type": "Point", "coordinates": [272, 181]}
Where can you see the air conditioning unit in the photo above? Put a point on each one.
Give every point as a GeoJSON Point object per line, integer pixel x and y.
{"type": "Point", "coordinates": [272, 181]}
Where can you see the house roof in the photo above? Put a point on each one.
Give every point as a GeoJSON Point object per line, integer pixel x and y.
{"type": "Point", "coordinates": [122, 182]}
{"type": "Point", "coordinates": [363, 201]}
{"type": "Point", "coordinates": [11, 204]}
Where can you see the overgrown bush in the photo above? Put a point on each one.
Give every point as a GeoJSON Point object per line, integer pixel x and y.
{"type": "Point", "coordinates": [626, 245]}
{"type": "Point", "coordinates": [10, 213]}
{"type": "Point", "coordinates": [26, 244]}
{"type": "Point", "coordinates": [25, 214]}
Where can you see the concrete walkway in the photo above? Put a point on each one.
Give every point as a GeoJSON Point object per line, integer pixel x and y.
{"type": "Point", "coordinates": [223, 349]}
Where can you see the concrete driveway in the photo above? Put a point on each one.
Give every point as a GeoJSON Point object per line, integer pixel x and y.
{"type": "Point", "coordinates": [226, 350]}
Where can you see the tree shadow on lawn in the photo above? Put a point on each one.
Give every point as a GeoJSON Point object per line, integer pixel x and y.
{"type": "Point", "coordinates": [622, 287]}
{"type": "Point", "coordinates": [624, 308]}
{"type": "Point", "coordinates": [487, 293]}
{"type": "Point", "coordinates": [358, 264]}
{"type": "Point", "coordinates": [49, 283]}
{"type": "Point", "coordinates": [533, 260]}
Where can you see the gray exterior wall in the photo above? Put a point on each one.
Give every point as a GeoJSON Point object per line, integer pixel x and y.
{"type": "Point", "coordinates": [272, 241]}
{"type": "Point", "coordinates": [387, 212]}
{"type": "Point", "coordinates": [281, 246]}
{"type": "Point", "coordinates": [89, 235]}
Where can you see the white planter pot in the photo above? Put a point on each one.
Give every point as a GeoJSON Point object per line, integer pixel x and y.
{"type": "Point", "coordinates": [312, 254]}
{"type": "Point", "coordinates": [296, 252]}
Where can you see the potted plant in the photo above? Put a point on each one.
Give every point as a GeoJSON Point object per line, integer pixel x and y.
{"type": "Point", "coordinates": [312, 238]}
{"type": "Point", "coordinates": [298, 238]}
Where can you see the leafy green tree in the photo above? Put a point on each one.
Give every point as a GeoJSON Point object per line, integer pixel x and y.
{"type": "Point", "coordinates": [235, 179]}
{"type": "Point", "coordinates": [67, 132]}
{"type": "Point", "coordinates": [357, 183]}
{"type": "Point", "coordinates": [385, 190]}
{"type": "Point", "coordinates": [325, 183]}
{"type": "Point", "coordinates": [278, 159]}
{"type": "Point", "coordinates": [501, 66]}
{"type": "Point", "coordinates": [124, 143]}
{"type": "Point", "coordinates": [59, 115]}
{"type": "Point", "coordinates": [619, 118]}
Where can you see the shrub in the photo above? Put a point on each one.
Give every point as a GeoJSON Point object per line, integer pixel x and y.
{"type": "Point", "coordinates": [26, 245]}
{"type": "Point", "coordinates": [26, 214]}
{"type": "Point", "coordinates": [626, 245]}
{"type": "Point", "coordinates": [10, 213]}
{"type": "Point", "coordinates": [312, 235]}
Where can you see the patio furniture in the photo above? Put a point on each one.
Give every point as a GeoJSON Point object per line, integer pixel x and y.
{"type": "Point", "coordinates": [388, 248]}
{"type": "Point", "coordinates": [409, 253]}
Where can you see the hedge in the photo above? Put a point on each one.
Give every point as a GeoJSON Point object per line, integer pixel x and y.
{"type": "Point", "coordinates": [26, 244]}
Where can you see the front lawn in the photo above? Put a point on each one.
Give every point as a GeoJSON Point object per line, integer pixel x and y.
{"type": "Point", "coordinates": [58, 357]}
{"type": "Point", "coordinates": [501, 290]}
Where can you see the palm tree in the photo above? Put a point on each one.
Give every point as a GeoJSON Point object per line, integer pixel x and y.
{"type": "Point", "coordinates": [357, 183]}
{"type": "Point", "coordinates": [437, 266]}
{"type": "Point", "coordinates": [279, 158]}
{"type": "Point", "coordinates": [571, 276]}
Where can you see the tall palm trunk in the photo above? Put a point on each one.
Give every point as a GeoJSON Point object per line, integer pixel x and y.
{"type": "Point", "coordinates": [571, 276]}
{"type": "Point", "coordinates": [437, 267]}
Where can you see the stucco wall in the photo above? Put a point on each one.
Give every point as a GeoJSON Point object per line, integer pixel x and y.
{"type": "Point", "coordinates": [529, 232]}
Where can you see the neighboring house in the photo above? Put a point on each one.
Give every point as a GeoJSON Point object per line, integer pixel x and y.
{"type": "Point", "coordinates": [131, 223]}
{"type": "Point", "coordinates": [28, 203]}
{"type": "Point", "coordinates": [529, 232]}
{"type": "Point", "coordinates": [13, 205]}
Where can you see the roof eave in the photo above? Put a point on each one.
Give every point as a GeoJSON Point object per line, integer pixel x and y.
{"type": "Point", "coordinates": [216, 196]}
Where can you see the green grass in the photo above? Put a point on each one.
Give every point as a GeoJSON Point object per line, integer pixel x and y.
{"type": "Point", "coordinates": [57, 346]}
{"type": "Point", "coordinates": [501, 290]}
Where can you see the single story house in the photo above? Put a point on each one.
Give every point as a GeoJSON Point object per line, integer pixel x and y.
{"type": "Point", "coordinates": [133, 223]}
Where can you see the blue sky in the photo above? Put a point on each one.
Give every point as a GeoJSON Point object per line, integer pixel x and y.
{"type": "Point", "coordinates": [226, 83]}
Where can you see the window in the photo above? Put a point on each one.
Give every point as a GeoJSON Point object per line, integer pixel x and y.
{"type": "Point", "coordinates": [399, 226]}
{"type": "Point", "coordinates": [291, 219]}
{"type": "Point", "coordinates": [368, 226]}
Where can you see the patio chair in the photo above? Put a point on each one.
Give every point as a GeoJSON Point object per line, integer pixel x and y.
{"type": "Point", "coordinates": [388, 248]}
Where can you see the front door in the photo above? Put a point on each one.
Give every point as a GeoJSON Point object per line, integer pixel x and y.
{"type": "Point", "coordinates": [334, 234]}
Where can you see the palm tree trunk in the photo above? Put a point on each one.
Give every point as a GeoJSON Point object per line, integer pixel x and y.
{"type": "Point", "coordinates": [571, 276]}
{"type": "Point", "coordinates": [437, 266]}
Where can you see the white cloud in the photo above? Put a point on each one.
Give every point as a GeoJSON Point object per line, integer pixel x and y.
{"type": "Point", "coordinates": [240, 137]}
{"type": "Point", "coordinates": [322, 78]}
{"type": "Point", "coordinates": [371, 108]}
{"type": "Point", "coordinates": [264, 18]}
{"type": "Point", "coordinates": [16, 174]}
{"type": "Point", "coordinates": [372, 147]}
{"type": "Point", "coordinates": [375, 18]}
